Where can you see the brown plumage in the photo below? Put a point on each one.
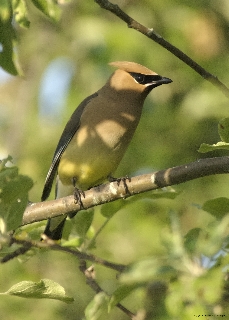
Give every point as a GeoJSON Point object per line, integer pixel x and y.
{"type": "Point", "coordinates": [98, 134]}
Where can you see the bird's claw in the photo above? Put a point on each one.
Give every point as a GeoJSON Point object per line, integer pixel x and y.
{"type": "Point", "coordinates": [78, 197]}
{"type": "Point", "coordinates": [78, 194]}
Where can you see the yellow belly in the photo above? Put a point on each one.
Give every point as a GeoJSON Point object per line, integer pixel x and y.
{"type": "Point", "coordinates": [96, 150]}
{"type": "Point", "coordinates": [89, 163]}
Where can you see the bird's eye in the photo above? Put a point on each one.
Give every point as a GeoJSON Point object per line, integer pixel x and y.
{"type": "Point", "coordinates": [139, 77]}
{"type": "Point", "coordinates": [152, 80]}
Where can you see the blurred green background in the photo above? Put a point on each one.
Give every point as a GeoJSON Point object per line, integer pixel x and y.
{"type": "Point", "coordinates": [65, 62]}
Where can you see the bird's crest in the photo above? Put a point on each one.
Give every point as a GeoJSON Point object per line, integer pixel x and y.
{"type": "Point", "coordinates": [132, 67]}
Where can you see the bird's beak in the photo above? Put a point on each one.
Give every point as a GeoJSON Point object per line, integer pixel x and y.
{"type": "Point", "coordinates": [165, 80]}
{"type": "Point", "coordinates": [159, 82]}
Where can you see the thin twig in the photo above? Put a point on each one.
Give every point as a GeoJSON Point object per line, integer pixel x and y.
{"type": "Point", "coordinates": [150, 33]}
{"type": "Point", "coordinates": [90, 276]}
{"type": "Point", "coordinates": [48, 243]}
{"type": "Point", "coordinates": [22, 250]}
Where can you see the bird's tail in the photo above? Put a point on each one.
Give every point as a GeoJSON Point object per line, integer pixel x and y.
{"type": "Point", "coordinates": [54, 227]}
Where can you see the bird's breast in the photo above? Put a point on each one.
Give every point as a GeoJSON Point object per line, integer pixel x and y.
{"type": "Point", "coordinates": [99, 144]}
{"type": "Point", "coordinates": [110, 133]}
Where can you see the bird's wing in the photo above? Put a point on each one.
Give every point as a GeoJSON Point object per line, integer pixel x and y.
{"type": "Point", "coordinates": [70, 129]}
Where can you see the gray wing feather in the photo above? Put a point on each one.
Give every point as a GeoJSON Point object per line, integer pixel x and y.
{"type": "Point", "coordinates": [69, 131]}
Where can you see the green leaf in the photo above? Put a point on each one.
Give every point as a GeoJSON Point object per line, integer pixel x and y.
{"type": "Point", "coordinates": [210, 285]}
{"type": "Point", "coordinates": [7, 37]}
{"type": "Point", "coordinates": [97, 306]}
{"type": "Point", "coordinates": [191, 239]}
{"type": "Point", "coordinates": [119, 294]}
{"type": "Point", "coordinates": [21, 13]}
{"type": "Point", "coordinates": [223, 129]}
{"type": "Point", "coordinates": [83, 221]}
{"type": "Point", "coordinates": [49, 8]}
{"type": "Point", "coordinates": [5, 10]}
{"type": "Point", "coordinates": [109, 209]}
{"type": "Point", "coordinates": [13, 195]}
{"type": "Point", "coordinates": [145, 271]}
{"type": "Point", "coordinates": [74, 242]}
{"type": "Point", "coordinates": [4, 161]}
{"type": "Point", "coordinates": [218, 207]}
{"type": "Point", "coordinates": [44, 289]}
{"type": "Point", "coordinates": [218, 146]}
{"type": "Point", "coordinates": [155, 301]}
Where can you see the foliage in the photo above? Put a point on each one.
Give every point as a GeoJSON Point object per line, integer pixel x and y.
{"type": "Point", "coordinates": [223, 129]}
{"type": "Point", "coordinates": [174, 243]}
{"type": "Point", "coordinates": [14, 189]}
{"type": "Point", "coordinates": [43, 289]}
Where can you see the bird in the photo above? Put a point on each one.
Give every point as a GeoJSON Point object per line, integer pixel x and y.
{"type": "Point", "coordinates": [97, 135]}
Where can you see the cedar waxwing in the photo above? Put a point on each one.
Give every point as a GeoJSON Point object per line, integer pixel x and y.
{"type": "Point", "coordinates": [98, 134]}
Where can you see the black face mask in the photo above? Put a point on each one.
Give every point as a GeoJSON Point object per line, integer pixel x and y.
{"type": "Point", "coordinates": [153, 80]}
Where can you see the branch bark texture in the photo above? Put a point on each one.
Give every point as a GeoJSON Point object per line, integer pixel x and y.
{"type": "Point", "coordinates": [112, 191]}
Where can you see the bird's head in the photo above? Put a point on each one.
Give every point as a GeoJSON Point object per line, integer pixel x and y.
{"type": "Point", "coordinates": [133, 77]}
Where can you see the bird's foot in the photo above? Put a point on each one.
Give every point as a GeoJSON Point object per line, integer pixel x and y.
{"type": "Point", "coordinates": [78, 194]}
{"type": "Point", "coordinates": [119, 180]}
{"type": "Point", "coordinates": [78, 197]}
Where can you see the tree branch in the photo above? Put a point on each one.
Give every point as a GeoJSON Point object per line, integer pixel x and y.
{"type": "Point", "coordinates": [89, 274]}
{"type": "Point", "coordinates": [112, 191]}
{"type": "Point", "coordinates": [82, 256]}
{"type": "Point", "coordinates": [49, 243]}
{"type": "Point", "coordinates": [150, 33]}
